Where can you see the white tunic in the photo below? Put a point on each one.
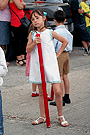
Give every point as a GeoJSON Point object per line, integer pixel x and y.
{"type": "Point", "coordinates": [49, 59]}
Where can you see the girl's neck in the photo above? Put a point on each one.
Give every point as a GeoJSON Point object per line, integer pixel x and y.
{"type": "Point", "coordinates": [41, 29]}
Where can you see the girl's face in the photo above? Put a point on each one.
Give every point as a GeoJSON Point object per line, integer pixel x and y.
{"type": "Point", "coordinates": [37, 20]}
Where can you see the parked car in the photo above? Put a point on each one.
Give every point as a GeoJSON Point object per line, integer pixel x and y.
{"type": "Point", "coordinates": [50, 8]}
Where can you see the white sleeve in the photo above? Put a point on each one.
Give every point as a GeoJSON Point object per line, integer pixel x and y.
{"type": "Point", "coordinates": [3, 66]}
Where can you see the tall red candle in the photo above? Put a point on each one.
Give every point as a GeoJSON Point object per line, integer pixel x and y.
{"type": "Point", "coordinates": [43, 83]}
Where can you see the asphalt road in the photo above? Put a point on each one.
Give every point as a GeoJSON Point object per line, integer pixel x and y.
{"type": "Point", "coordinates": [17, 101]}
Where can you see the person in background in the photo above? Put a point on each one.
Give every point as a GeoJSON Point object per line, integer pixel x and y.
{"type": "Point", "coordinates": [86, 9]}
{"type": "Point", "coordinates": [63, 59]}
{"type": "Point", "coordinates": [80, 24]}
{"type": "Point", "coordinates": [34, 92]}
{"type": "Point", "coordinates": [20, 33]}
{"type": "Point", "coordinates": [5, 24]}
{"type": "Point", "coordinates": [3, 71]}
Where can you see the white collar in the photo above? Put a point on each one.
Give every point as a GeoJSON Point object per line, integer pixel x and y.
{"type": "Point", "coordinates": [60, 26]}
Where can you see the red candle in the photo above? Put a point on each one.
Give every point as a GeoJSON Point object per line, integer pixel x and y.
{"type": "Point", "coordinates": [43, 83]}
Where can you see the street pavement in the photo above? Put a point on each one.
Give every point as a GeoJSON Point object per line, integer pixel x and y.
{"type": "Point", "coordinates": [17, 101]}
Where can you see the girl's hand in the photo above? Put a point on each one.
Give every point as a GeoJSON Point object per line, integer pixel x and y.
{"type": "Point", "coordinates": [37, 40]}
{"type": "Point", "coordinates": [57, 54]}
{"type": "Point", "coordinates": [31, 44]}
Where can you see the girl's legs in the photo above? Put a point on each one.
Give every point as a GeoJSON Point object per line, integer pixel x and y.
{"type": "Point", "coordinates": [58, 99]}
{"type": "Point", "coordinates": [35, 94]}
{"type": "Point", "coordinates": [41, 101]}
{"type": "Point", "coordinates": [41, 105]}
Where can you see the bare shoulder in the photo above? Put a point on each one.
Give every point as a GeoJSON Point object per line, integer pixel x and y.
{"type": "Point", "coordinates": [55, 35]}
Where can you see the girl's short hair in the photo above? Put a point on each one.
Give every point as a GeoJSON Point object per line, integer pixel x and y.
{"type": "Point", "coordinates": [59, 16]}
{"type": "Point", "coordinates": [39, 12]}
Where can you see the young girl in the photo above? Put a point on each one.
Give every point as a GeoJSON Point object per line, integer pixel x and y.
{"type": "Point", "coordinates": [50, 62]}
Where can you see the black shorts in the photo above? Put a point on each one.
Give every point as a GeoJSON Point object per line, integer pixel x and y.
{"type": "Point", "coordinates": [83, 32]}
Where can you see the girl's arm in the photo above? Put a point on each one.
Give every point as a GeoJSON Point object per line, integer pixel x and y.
{"type": "Point", "coordinates": [20, 5]}
{"type": "Point", "coordinates": [3, 4]}
{"type": "Point", "coordinates": [61, 39]}
{"type": "Point", "coordinates": [31, 44]}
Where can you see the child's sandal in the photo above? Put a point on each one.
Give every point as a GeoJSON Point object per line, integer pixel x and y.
{"type": "Point", "coordinates": [18, 62]}
{"type": "Point", "coordinates": [64, 123]}
{"type": "Point", "coordinates": [24, 61]}
{"type": "Point", "coordinates": [36, 122]}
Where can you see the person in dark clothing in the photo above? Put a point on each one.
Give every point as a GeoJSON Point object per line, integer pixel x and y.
{"type": "Point", "coordinates": [80, 24]}
{"type": "Point", "coordinates": [76, 17]}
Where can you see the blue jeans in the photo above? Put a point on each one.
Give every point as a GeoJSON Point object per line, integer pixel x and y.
{"type": "Point", "coordinates": [1, 116]}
